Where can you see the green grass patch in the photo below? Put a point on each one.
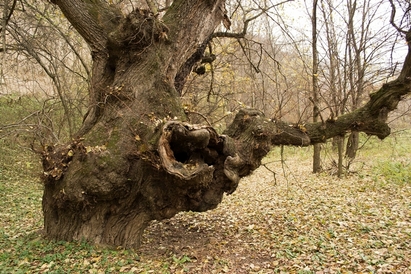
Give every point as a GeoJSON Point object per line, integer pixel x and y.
{"type": "Point", "coordinates": [396, 172]}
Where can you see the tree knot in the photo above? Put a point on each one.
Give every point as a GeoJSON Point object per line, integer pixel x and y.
{"type": "Point", "coordinates": [56, 160]}
{"type": "Point", "coordinates": [139, 30]}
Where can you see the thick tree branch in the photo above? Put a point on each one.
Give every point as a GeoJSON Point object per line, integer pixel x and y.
{"type": "Point", "coordinates": [254, 134]}
{"type": "Point", "coordinates": [93, 19]}
{"type": "Point", "coordinates": [207, 15]}
{"type": "Point", "coordinates": [370, 119]}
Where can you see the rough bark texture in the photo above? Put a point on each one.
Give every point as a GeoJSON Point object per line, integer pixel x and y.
{"type": "Point", "coordinates": [136, 159]}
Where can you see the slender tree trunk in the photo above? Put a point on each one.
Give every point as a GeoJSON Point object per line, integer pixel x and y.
{"type": "Point", "coordinates": [352, 145]}
{"type": "Point", "coordinates": [340, 146]}
{"type": "Point", "coordinates": [337, 104]}
{"type": "Point", "coordinates": [316, 111]}
{"type": "Point", "coordinates": [357, 77]}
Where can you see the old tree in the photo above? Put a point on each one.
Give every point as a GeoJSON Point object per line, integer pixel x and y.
{"type": "Point", "coordinates": [136, 158]}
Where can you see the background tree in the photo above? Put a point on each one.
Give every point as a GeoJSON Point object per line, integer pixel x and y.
{"type": "Point", "coordinates": [315, 98]}
{"type": "Point", "coordinates": [355, 45]}
{"type": "Point", "coordinates": [46, 62]}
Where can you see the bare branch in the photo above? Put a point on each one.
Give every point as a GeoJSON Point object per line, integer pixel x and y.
{"type": "Point", "coordinates": [393, 12]}
{"type": "Point", "coordinates": [246, 23]}
{"type": "Point", "coordinates": [8, 16]}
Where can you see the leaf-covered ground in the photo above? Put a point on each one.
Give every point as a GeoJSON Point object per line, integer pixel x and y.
{"type": "Point", "coordinates": [282, 219]}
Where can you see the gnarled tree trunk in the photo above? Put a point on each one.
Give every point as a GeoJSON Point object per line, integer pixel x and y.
{"type": "Point", "coordinates": [135, 159]}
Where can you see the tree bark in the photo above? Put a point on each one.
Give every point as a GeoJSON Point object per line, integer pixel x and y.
{"type": "Point", "coordinates": [315, 99]}
{"type": "Point", "coordinates": [135, 159]}
{"type": "Point", "coordinates": [352, 145]}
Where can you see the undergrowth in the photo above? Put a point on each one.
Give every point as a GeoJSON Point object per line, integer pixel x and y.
{"type": "Point", "coordinates": [396, 172]}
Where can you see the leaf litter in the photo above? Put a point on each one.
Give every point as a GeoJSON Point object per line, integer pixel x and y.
{"type": "Point", "coordinates": [289, 221]}
{"type": "Point", "coordinates": [299, 222]}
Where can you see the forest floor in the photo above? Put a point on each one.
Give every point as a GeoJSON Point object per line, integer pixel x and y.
{"type": "Point", "coordinates": [281, 219]}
